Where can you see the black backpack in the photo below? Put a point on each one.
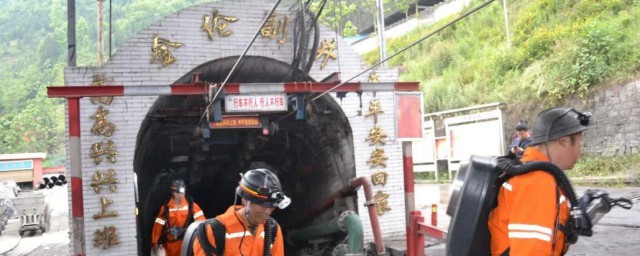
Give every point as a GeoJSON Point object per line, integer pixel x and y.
{"type": "Point", "coordinates": [198, 231]}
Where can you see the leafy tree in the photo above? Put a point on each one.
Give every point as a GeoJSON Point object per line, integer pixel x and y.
{"type": "Point", "coordinates": [405, 5]}
{"type": "Point", "coordinates": [372, 8]}
{"type": "Point", "coordinates": [335, 16]}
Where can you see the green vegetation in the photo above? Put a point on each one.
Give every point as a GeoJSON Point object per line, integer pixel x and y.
{"type": "Point", "coordinates": [443, 177]}
{"type": "Point", "coordinates": [614, 167]}
{"type": "Point", "coordinates": [33, 51]}
{"type": "Point", "coordinates": [559, 48]}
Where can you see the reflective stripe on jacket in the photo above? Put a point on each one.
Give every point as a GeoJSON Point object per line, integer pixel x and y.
{"type": "Point", "coordinates": [177, 217]}
{"type": "Point", "coordinates": [525, 219]}
{"type": "Point", "coordinates": [238, 238]}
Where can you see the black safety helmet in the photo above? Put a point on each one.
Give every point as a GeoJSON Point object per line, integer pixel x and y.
{"type": "Point", "coordinates": [522, 126]}
{"type": "Point", "coordinates": [177, 185]}
{"type": "Point", "coordinates": [557, 122]}
{"type": "Point", "coordinates": [261, 186]}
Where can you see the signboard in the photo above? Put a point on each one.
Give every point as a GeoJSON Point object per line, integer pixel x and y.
{"type": "Point", "coordinates": [475, 134]}
{"type": "Point", "coordinates": [16, 165]}
{"type": "Point", "coordinates": [255, 103]}
{"type": "Point", "coordinates": [408, 111]}
{"type": "Point", "coordinates": [236, 122]}
{"type": "Point", "coordinates": [423, 151]}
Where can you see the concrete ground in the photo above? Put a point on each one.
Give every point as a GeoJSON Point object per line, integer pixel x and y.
{"type": "Point", "coordinates": [617, 233]}
{"type": "Point", "coordinates": [53, 242]}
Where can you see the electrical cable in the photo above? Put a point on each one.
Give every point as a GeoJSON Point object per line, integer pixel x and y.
{"type": "Point", "coordinates": [409, 46]}
{"type": "Point", "coordinates": [477, 8]}
{"type": "Point", "coordinates": [246, 49]}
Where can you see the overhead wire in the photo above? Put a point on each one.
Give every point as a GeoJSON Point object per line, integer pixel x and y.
{"type": "Point", "coordinates": [246, 49]}
{"type": "Point", "coordinates": [464, 15]}
{"type": "Point", "coordinates": [408, 46]}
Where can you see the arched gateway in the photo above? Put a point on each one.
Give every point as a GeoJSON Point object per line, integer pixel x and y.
{"type": "Point", "coordinates": [122, 151]}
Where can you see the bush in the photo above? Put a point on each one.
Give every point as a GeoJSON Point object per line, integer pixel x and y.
{"type": "Point", "coordinates": [559, 48]}
{"type": "Point", "coordinates": [601, 166]}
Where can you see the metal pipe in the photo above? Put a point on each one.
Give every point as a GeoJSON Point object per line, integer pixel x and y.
{"type": "Point", "coordinates": [348, 222]}
{"type": "Point", "coordinates": [322, 229]}
{"type": "Point", "coordinates": [347, 191]}
{"type": "Point", "coordinates": [355, 234]}
{"type": "Point", "coordinates": [373, 215]}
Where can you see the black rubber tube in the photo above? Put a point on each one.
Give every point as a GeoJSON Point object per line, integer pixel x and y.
{"type": "Point", "coordinates": [561, 179]}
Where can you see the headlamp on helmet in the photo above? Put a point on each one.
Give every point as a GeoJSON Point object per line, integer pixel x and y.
{"type": "Point", "coordinates": [261, 186]}
{"type": "Point", "coordinates": [178, 186]}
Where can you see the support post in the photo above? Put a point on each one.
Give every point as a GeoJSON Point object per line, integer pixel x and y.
{"type": "Point", "coordinates": [71, 32]}
{"type": "Point", "coordinates": [77, 205]}
{"type": "Point", "coordinates": [434, 215]}
{"type": "Point", "coordinates": [506, 22]}
{"type": "Point", "coordinates": [100, 33]}
{"type": "Point", "coordinates": [383, 51]}
{"type": "Point", "coordinates": [409, 199]}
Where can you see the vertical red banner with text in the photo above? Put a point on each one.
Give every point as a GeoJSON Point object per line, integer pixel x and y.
{"type": "Point", "coordinates": [409, 120]}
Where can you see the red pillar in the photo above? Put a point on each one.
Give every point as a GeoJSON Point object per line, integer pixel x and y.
{"type": "Point", "coordinates": [37, 172]}
{"type": "Point", "coordinates": [409, 199]}
{"type": "Point", "coordinates": [77, 205]}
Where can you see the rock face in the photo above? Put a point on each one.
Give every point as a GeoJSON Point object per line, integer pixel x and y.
{"type": "Point", "coordinates": [615, 126]}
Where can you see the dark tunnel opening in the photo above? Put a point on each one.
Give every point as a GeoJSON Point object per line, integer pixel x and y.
{"type": "Point", "coordinates": [313, 158]}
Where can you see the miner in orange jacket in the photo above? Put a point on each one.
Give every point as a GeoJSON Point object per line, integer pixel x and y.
{"type": "Point", "coordinates": [532, 210]}
{"type": "Point", "coordinates": [173, 219]}
{"type": "Point", "coordinates": [245, 233]}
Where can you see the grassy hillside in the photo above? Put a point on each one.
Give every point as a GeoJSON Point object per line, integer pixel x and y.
{"type": "Point", "coordinates": [559, 48]}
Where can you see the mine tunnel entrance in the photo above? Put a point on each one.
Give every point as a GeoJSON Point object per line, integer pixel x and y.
{"type": "Point", "coordinates": [313, 158]}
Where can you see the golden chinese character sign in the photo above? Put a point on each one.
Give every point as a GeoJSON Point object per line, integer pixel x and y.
{"type": "Point", "coordinates": [375, 109]}
{"type": "Point", "coordinates": [217, 23]}
{"type": "Point", "coordinates": [101, 125]}
{"type": "Point", "coordinates": [160, 50]}
{"type": "Point", "coordinates": [326, 51]}
{"type": "Point", "coordinates": [100, 80]}
{"type": "Point", "coordinates": [378, 158]}
{"type": "Point", "coordinates": [374, 77]}
{"type": "Point", "coordinates": [376, 136]}
{"type": "Point", "coordinates": [104, 203]}
{"type": "Point", "coordinates": [99, 149]}
{"type": "Point", "coordinates": [100, 179]}
{"type": "Point", "coordinates": [275, 27]}
{"type": "Point", "coordinates": [379, 178]}
{"type": "Point", "coordinates": [382, 202]}
{"type": "Point", "coordinates": [106, 237]}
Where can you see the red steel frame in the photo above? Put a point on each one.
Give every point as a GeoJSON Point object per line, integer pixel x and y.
{"type": "Point", "coordinates": [73, 94]}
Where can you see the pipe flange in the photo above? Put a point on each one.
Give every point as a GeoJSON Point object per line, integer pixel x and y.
{"type": "Point", "coordinates": [369, 203]}
{"type": "Point", "coordinates": [343, 215]}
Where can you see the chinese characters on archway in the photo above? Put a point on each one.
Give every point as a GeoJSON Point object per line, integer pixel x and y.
{"type": "Point", "coordinates": [377, 137]}
{"type": "Point", "coordinates": [103, 129]}
{"type": "Point", "coordinates": [217, 25]}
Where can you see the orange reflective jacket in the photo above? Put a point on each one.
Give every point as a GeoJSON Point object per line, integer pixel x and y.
{"type": "Point", "coordinates": [238, 239]}
{"type": "Point", "coordinates": [177, 217]}
{"type": "Point", "coordinates": [529, 208]}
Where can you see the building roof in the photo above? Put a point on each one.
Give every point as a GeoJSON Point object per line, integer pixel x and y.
{"type": "Point", "coordinates": [23, 156]}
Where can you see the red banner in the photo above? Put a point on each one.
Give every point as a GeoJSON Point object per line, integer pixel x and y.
{"type": "Point", "coordinates": [236, 122]}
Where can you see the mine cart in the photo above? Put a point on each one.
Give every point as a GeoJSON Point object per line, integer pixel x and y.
{"type": "Point", "coordinates": [34, 213]}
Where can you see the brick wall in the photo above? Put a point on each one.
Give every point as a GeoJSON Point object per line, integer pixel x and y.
{"type": "Point", "coordinates": [131, 66]}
